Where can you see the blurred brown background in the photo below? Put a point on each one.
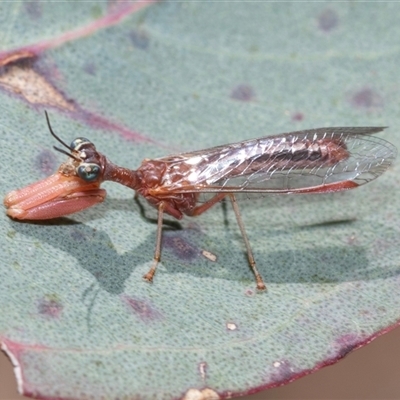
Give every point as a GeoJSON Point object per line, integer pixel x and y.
{"type": "Point", "coordinates": [372, 372]}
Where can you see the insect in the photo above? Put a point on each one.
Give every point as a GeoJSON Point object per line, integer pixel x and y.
{"type": "Point", "coordinates": [319, 160]}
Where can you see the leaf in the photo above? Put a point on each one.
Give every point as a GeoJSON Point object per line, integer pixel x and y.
{"type": "Point", "coordinates": [147, 79]}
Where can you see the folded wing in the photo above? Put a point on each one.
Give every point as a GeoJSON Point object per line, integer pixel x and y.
{"type": "Point", "coordinates": [292, 162]}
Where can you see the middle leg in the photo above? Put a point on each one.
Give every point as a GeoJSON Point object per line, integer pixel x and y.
{"type": "Point", "coordinates": [157, 253]}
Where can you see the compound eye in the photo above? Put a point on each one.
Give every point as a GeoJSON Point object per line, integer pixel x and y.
{"type": "Point", "coordinates": [77, 143]}
{"type": "Point", "coordinates": [89, 172]}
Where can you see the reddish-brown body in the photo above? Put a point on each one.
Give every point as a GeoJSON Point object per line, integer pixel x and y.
{"type": "Point", "coordinates": [152, 176]}
{"type": "Point", "coordinates": [315, 161]}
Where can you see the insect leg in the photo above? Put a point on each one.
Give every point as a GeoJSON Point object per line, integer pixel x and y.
{"type": "Point", "coordinates": [259, 280]}
{"type": "Point", "coordinates": [157, 253]}
{"type": "Point", "coordinates": [208, 204]}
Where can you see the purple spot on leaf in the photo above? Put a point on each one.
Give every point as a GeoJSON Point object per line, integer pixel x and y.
{"type": "Point", "coordinates": [347, 343]}
{"type": "Point", "coordinates": [298, 116]}
{"type": "Point", "coordinates": [284, 371]}
{"type": "Point", "coordinates": [179, 246]}
{"type": "Point", "coordinates": [142, 309]}
{"type": "Point", "coordinates": [33, 8]}
{"type": "Point", "coordinates": [77, 235]}
{"type": "Point", "coordinates": [90, 68]}
{"type": "Point", "coordinates": [328, 20]}
{"type": "Point", "coordinates": [50, 306]}
{"type": "Point", "coordinates": [380, 247]}
{"type": "Point", "coordinates": [46, 162]}
{"type": "Point", "coordinates": [366, 99]}
{"type": "Point", "coordinates": [139, 39]}
{"type": "Point", "coordinates": [243, 93]}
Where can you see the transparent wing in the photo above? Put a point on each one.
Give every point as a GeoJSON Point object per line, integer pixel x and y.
{"type": "Point", "coordinates": [302, 161]}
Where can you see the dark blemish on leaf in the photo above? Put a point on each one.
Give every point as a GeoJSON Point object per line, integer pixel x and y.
{"type": "Point", "coordinates": [284, 371]}
{"type": "Point", "coordinates": [46, 162]}
{"type": "Point", "coordinates": [345, 350]}
{"type": "Point", "coordinates": [347, 343]}
{"type": "Point", "coordinates": [77, 235]}
{"type": "Point", "coordinates": [50, 306]}
{"type": "Point", "coordinates": [298, 116]}
{"type": "Point", "coordinates": [243, 93]}
{"type": "Point", "coordinates": [90, 68]}
{"type": "Point", "coordinates": [366, 99]}
{"type": "Point", "coordinates": [328, 20]}
{"type": "Point", "coordinates": [139, 39]}
{"type": "Point", "coordinates": [33, 9]}
{"type": "Point", "coordinates": [380, 246]}
{"type": "Point", "coordinates": [142, 309]}
{"type": "Point", "coordinates": [16, 265]}
{"type": "Point", "coordinates": [179, 246]}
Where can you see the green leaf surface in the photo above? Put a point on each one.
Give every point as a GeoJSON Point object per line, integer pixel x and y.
{"type": "Point", "coordinates": [143, 80]}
